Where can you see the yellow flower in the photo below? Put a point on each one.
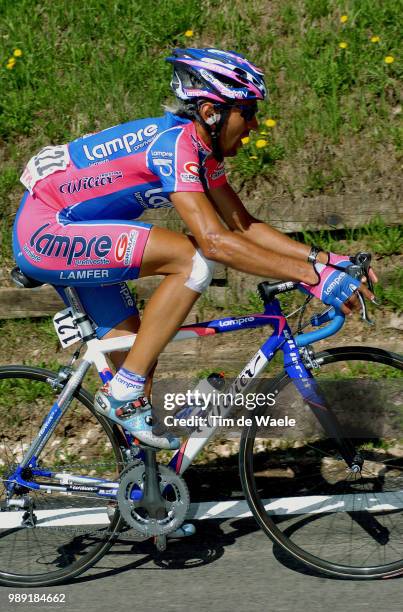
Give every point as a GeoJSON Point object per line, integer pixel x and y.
{"type": "Point", "coordinates": [189, 33]}
{"type": "Point", "coordinates": [245, 140]}
{"type": "Point", "coordinates": [344, 18]}
{"type": "Point", "coordinates": [343, 45]}
{"type": "Point", "coordinates": [11, 63]}
{"type": "Point", "coordinates": [270, 123]}
{"type": "Point", "coordinates": [253, 157]}
{"type": "Point", "coordinates": [389, 59]}
{"type": "Point", "coordinates": [375, 39]}
{"type": "Point", "coordinates": [17, 53]}
{"type": "Point", "coordinates": [261, 143]}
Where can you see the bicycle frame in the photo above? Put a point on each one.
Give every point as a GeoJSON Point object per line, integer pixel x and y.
{"type": "Point", "coordinates": [281, 338]}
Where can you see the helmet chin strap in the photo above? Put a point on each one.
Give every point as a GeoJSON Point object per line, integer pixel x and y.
{"type": "Point", "coordinates": [213, 126]}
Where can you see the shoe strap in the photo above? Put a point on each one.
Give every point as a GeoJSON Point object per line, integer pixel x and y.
{"type": "Point", "coordinates": [141, 402]}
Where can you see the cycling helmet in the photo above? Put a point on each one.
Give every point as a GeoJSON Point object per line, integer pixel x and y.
{"type": "Point", "coordinates": [223, 77]}
{"type": "Point", "coordinates": [220, 76]}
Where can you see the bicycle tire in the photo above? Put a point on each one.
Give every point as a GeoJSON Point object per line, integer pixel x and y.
{"type": "Point", "coordinates": [32, 384]}
{"type": "Point", "coordinates": [282, 475]}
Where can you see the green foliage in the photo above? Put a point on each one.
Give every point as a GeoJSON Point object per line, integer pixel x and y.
{"type": "Point", "coordinates": [376, 235]}
{"type": "Point", "coordinates": [391, 292]}
{"type": "Point", "coordinates": [87, 66]}
{"type": "Point", "coordinates": [318, 180]}
{"type": "Point", "coordinates": [252, 161]}
{"type": "Point", "coordinates": [14, 391]}
{"type": "Point", "coordinates": [385, 240]}
{"type": "Point", "coordinates": [253, 305]}
{"type": "Point", "coordinates": [8, 180]}
{"type": "Point", "coordinates": [99, 63]}
{"type": "Point", "coordinates": [322, 238]}
{"type": "Point", "coordinates": [317, 8]}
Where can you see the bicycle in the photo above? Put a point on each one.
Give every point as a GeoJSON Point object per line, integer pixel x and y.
{"type": "Point", "coordinates": [336, 504]}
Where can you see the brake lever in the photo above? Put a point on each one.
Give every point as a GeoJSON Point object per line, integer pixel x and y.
{"type": "Point", "coordinates": [363, 259]}
{"type": "Point", "coordinates": [364, 312]}
{"type": "Point", "coordinates": [359, 269]}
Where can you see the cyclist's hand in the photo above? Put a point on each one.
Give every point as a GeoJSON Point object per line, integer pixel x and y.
{"type": "Point", "coordinates": [353, 303]}
{"type": "Point", "coordinates": [336, 288]}
{"type": "Point", "coordinates": [343, 261]}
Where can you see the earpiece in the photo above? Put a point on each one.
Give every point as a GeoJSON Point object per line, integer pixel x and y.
{"type": "Point", "coordinates": [213, 119]}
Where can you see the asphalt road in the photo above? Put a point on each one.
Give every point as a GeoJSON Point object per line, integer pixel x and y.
{"type": "Point", "coordinates": [228, 565]}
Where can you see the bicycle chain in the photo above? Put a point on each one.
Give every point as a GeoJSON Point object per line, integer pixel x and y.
{"type": "Point", "coordinates": [74, 530]}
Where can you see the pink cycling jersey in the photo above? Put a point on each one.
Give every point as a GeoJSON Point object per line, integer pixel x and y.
{"type": "Point", "coordinates": [76, 225]}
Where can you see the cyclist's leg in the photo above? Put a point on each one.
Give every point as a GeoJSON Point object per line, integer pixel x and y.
{"type": "Point", "coordinates": [170, 254]}
{"type": "Point", "coordinates": [113, 310]}
{"type": "Point", "coordinates": [124, 328]}
{"type": "Point", "coordinates": [90, 253]}
{"type": "Point", "coordinates": [166, 253]}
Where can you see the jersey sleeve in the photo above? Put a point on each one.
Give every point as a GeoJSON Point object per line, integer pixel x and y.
{"type": "Point", "coordinates": [173, 158]}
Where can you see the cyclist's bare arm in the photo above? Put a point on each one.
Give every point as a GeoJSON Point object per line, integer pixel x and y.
{"type": "Point", "coordinates": [231, 209]}
{"type": "Point", "coordinates": [232, 248]}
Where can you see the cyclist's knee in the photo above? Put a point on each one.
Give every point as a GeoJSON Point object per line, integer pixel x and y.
{"type": "Point", "coordinates": [201, 272]}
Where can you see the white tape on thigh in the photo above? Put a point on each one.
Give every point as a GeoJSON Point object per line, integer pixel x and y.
{"type": "Point", "coordinates": [201, 274]}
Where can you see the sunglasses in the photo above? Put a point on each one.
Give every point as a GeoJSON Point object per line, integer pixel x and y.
{"type": "Point", "coordinates": [248, 111]}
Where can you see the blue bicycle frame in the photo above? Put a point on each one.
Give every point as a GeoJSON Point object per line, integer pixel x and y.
{"type": "Point", "coordinates": [281, 338]}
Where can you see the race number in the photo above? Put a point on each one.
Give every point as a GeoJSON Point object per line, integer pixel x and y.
{"type": "Point", "coordinates": [66, 328]}
{"type": "Point", "coordinates": [46, 162]}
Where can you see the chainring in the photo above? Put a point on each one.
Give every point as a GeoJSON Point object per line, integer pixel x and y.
{"type": "Point", "coordinates": [175, 495]}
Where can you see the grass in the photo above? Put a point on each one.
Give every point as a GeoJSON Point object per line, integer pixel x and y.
{"type": "Point", "coordinates": [376, 236]}
{"type": "Point", "coordinates": [391, 294]}
{"type": "Point", "coordinates": [84, 67]}
{"type": "Point", "coordinates": [87, 66]}
{"type": "Point", "coordinates": [361, 370]}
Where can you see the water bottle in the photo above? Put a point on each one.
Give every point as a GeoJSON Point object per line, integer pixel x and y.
{"type": "Point", "coordinates": [203, 395]}
{"type": "Point", "coordinates": [205, 389]}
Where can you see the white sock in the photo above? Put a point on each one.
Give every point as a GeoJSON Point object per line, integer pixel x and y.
{"type": "Point", "coordinates": [127, 385]}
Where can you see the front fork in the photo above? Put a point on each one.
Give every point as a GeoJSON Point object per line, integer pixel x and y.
{"type": "Point", "coordinates": [303, 379]}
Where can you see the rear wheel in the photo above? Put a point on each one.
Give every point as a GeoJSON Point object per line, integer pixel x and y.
{"type": "Point", "coordinates": [303, 494]}
{"type": "Point", "coordinates": [71, 532]}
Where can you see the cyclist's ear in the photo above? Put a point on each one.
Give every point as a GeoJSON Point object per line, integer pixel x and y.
{"type": "Point", "coordinates": [207, 112]}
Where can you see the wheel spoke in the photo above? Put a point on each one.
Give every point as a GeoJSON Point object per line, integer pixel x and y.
{"type": "Point", "coordinates": [336, 520]}
{"type": "Point", "coordinates": [70, 529]}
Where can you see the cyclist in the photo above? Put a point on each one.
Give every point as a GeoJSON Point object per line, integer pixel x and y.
{"type": "Point", "coordinates": [77, 223]}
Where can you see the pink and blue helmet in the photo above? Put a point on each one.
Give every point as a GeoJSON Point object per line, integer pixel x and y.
{"type": "Point", "coordinates": [221, 76]}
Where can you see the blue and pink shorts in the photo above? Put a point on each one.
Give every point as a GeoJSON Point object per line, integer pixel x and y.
{"type": "Point", "coordinates": [96, 257]}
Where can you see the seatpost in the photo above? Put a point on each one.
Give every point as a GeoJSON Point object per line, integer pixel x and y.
{"type": "Point", "coordinates": [79, 315]}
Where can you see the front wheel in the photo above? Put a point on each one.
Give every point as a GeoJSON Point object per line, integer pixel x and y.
{"type": "Point", "coordinates": [303, 494]}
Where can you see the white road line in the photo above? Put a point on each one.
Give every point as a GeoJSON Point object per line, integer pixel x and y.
{"type": "Point", "coordinates": [313, 504]}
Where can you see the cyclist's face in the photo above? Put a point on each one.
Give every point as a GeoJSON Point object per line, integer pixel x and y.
{"type": "Point", "coordinates": [237, 126]}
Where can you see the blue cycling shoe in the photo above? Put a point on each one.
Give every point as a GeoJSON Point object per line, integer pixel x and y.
{"type": "Point", "coordinates": [135, 417]}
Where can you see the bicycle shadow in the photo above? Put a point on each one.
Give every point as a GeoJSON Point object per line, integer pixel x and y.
{"type": "Point", "coordinates": [217, 480]}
